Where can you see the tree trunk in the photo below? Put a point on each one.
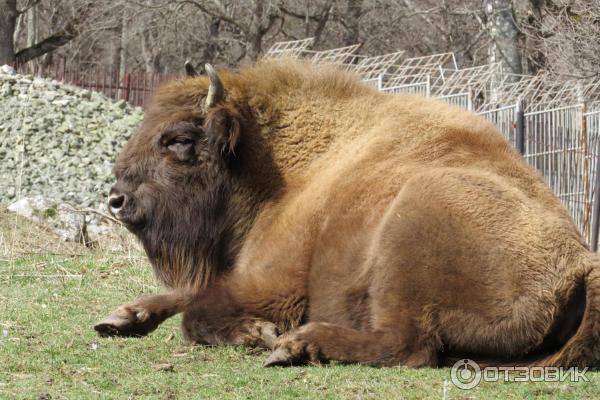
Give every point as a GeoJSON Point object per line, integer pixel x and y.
{"type": "Point", "coordinates": [209, 52]}
{"type": "Point", "coordinates": [115, 47]}
{"type": "Point", "coordinates": [45, 46]}
{"type": "Point", "coordinates": [123, 42]}
{"type": "Point", "coordinates": [352, 22]}
{"type": "Point", "coordinates": [533, 52]}
{"type": "Point", "coordinates": [8, 17]}
{"type": "Point", "coordinates": [32, 32]}
{"type": "Point", "coordinates": [32, 26]}
{"type": "Point", "coordinates": [254, 36]}
{"type": "Point", "coordinates": [254, 46]}
{"type": "Point", "coordinates": [505, 35]}
{"type": "Point", "coordinates": [322, 22]}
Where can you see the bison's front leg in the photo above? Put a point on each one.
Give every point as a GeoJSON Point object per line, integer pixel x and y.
{"type": "Point", "coordinates": [142, 316]}
{"type": "Point", "coordinates": [319, 341]}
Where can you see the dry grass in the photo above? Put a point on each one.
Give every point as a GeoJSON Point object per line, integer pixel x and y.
{"type": "Point", "coordinates": [20, 237]}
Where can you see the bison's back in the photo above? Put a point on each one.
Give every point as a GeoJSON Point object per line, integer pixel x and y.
{"type": "Point", "coordinates": [368, 163]}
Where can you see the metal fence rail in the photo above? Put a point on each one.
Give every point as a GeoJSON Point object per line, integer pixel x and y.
{"type": "Point", "coordinates": [592, 126]}
{"type": "Point", "coordinates": [422, 88]}
{"type": "Point", "coordinates": [463, 100]}
{"type": "Point", "coordinates": [375, 67]}
{"type": "Point", "coordinates": [292, 48]}
{"type": "Point", "coordinates": [340, 56]}
{"type": "Point", "coordinates": [133, 87]}
{"type": "Point", "coordinates": [505, 119]}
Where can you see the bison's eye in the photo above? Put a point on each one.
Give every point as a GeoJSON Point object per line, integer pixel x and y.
{"type": "Point", "coordinates": [184, 141]}
{"type": "Point", "coordinates": [181, 147]}
{"type": "Point", "coordinates": [179, 141]}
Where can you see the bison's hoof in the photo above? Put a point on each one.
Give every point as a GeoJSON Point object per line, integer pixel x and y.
{"type": "Point", "coordinates": [279, 357]}
{"type": "Point", "coordinates": [293, 349]}
{"type": "Point", "coordinates": [268, 334]}
{"type": "Point", "coordinates": [126, 321]}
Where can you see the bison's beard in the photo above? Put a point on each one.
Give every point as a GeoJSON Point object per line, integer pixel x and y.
{"type": "Point", "coordinates": [188, 239]}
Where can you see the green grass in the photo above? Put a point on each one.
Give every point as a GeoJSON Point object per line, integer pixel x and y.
{"type": "Point", "coordinates": [48, 349]}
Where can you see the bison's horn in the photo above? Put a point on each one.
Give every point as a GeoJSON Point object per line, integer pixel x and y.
{"type": "Point", "coordinates": [189, 69]}
{"type": "Point", "coordinates": [216, 92]}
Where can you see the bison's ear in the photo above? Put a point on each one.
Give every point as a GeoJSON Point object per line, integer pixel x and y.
{"type": "Point", "coordinates": [222, 126]}
{"type": "Point", "coordinates": [189, 69]}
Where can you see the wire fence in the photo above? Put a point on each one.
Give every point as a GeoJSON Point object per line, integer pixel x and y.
{"type": "Point", "coordinates": [563, 143]}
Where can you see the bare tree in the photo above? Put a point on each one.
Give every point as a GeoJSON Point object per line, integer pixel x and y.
{"type": "Point", "coordinates": [505, 46]}
{"type": "Point", "coordinates": [563, 37]}
{"type": "Point", "coordinates": [252, 23]}
{"type": "Point", "coordinates": [58, 36]}
{"type": "Point", "coordinates": [351, 21]}
{"type": "Point", "coordinates": [560, 36]}
{"type": "Point", "coordinates": [312, 17]}
{"type": "Point", "coordinates": [8, 18]}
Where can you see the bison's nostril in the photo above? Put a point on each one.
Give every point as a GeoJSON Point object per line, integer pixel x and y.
{"type": "Point", "coordinates": [115, 202]}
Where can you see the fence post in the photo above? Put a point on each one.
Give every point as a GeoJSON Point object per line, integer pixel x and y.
{"type": "Point", "coordinates": [596, 206]}
{"type": "Point", "coordinates": [63, 69]}
{"type": "Point", "coordinates": [520, 127]}
{"type": "Point", "coordinates": [596, 203]}
{"type": "Point", "coordinates": [470, 101]}
{"type": "Point", "coordinates": [586, 169]}
{"type": "Point", "coordinates": [126, 86]}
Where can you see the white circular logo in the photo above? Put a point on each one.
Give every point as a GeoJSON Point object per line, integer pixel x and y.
{"type": "Point", "coordinates": [465, 374]}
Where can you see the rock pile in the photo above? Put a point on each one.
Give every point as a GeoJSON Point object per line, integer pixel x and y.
{"type": "Point", "coordinates": [58, 142]}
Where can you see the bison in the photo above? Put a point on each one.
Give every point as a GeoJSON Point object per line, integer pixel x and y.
{"type": "Point", "coordinates": [291, 207]}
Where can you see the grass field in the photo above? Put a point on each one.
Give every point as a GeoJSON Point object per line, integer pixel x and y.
{"type": "Point", "coordinates": [51, 294]}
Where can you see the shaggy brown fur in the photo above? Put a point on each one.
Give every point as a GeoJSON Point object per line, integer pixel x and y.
{"type": "Point", "coordinates": [361, 226]}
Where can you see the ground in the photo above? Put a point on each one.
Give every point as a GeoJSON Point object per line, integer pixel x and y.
{"type": "Point", "coordinates": [51, 294]}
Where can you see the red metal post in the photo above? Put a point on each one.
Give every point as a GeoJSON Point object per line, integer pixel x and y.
{"type": "Point", "coordinates": [126, 86]}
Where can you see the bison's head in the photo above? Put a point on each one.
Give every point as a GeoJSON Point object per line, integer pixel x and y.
{"type": "Point", "coordinates": [176, 180]}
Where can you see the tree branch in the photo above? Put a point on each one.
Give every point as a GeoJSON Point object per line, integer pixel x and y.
{"type": "Point", "coordinates": [29, 6]}
{"type": "Point", "coordinates": [221, 15]}
{"type": "Point", "coordinates": [313, 17]}
{"type": "Point", "coordinates": [47, 45]}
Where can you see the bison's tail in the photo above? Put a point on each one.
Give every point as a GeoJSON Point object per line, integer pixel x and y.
{"type": "Point", "coordinates": [582, 349]}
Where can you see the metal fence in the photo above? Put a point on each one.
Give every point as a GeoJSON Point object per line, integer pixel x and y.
{"type": "Point", "coordinates": [458, 99]}
{"type": "Point", "coordinates": [133, 87]}
{"type": "Point", "coordinates": [420, 88]}
{"type": "Point", "coordinates": [563, 143]}
{"type": "Point", "coordinates": [556, 144]}
{"type": "Point", "coordinates": [505, 118]}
